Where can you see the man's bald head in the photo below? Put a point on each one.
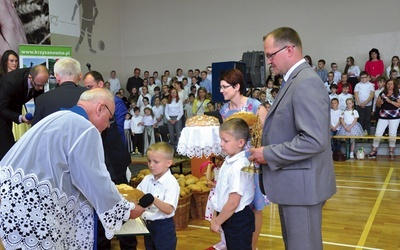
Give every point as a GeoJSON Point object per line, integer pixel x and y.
{"type": "Point", "coordinates": [99, 106]}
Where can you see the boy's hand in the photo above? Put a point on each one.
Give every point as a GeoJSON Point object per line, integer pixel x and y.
{"type": "Point", "coordinates": [136, 212]}
{"type": "Point", "coordinates": [214, 227]}
{"type": "Point", "coordinates": [210, 184]}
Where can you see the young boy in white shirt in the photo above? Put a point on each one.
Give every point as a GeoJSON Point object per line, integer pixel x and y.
{"type": "Point", "coordinates": [333, 92]}
{"type": "Point", "coordinates": [336, 72]}
{"type": "Point", "coordinates": [363, 95]}
{"type": "Point", "coordinates": [165, 189]}
{"type": "Point", "coordinates": [137, 129]}
{"type": "Point", "coordinates": [335, 123]}
{"type": "Point", "coordinates": [344, 96]}
{"type": "Point", "coordinates": [329, 82]}
{"type": "Point", "coordinates": [188, 109]}
{"type": "Point", "coordinates": [235, 188]}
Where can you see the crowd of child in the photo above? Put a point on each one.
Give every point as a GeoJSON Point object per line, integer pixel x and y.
{"type": "Point", "coordinates": [356, 100]}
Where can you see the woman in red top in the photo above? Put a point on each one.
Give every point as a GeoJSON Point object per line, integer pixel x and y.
{"type": "Point", "coordinates": [374, 66]}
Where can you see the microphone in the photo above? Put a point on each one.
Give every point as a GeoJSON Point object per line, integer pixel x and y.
{"type": "Point", "coordinates": [146, 200]}
{"type": "Point", "coordinates": [88, 66]}
{"type": "Point", "coordinates": [28, 116]}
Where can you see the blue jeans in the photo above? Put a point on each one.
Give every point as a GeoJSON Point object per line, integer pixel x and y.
{"type": "Point", "coordinates": [162, 235]}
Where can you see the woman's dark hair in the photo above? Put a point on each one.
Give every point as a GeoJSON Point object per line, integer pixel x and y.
{"type": "Point", "coordinates": [4, 60]}
{"type": "Point", "coordinates": [234, 77]}
{"type": "Point", "coordinates": [395, 89]}
{"type": "Point", "coordinates": [346, 69]}
{"type": "Point", "coordinates": [376, 51]}
{"type": "Point", "coordinates": [309, 59]}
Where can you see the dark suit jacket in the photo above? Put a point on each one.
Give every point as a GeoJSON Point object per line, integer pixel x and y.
{"type": "Point", "coordinates": [65, 95]}
{"type": "Point", "coordinates": [116, 153]}
{"type": "Point", "coordinates": [117, 157]}
{"type": "Point", "coordinates": [296, 137]}
{"type": "Point", "coordinates": [13, 95]}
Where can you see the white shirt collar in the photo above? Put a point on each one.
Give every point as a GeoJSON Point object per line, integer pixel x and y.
{"type": "Point", "coordinates": [229, 159]}
{"type": "Point", "coordinates": [286, 76]}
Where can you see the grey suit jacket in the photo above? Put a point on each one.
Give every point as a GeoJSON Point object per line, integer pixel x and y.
{"type": "Point", "coordinates": [296, 137]}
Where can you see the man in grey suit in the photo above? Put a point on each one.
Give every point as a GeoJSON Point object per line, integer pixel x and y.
{"type": "Point", "coordinates": [296, 156]}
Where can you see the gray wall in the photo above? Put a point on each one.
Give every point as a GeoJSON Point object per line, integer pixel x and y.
{"type": "Point", "coordinates": [159, 35]}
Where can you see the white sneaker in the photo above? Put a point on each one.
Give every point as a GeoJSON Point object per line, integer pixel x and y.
{"type": "Point", "coordinates": [351, 155]}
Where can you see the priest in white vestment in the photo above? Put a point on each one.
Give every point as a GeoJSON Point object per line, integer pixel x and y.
{"type": "Point", "coordinates": [54, 180]}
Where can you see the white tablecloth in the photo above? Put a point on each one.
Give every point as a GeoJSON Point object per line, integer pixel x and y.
{"type": "Point", "coordinates": [199, 141]}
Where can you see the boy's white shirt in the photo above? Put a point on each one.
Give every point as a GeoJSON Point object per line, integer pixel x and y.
{"type": "Point", "coordinates": [231, 179]}
{"type": "Point", "coordinates": [166, 189]}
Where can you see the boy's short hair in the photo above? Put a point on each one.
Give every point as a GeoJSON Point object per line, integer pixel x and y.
{"type": "Point", "coordinates": [157, 88]}
{"type": "Point", "coordinates": [333, 86]}
{"type": "Point", "coordinates": [382, 78]}
{"type": "Point", "coordinates": [364, 73]}
{"type": "Point", "coordinates": [191, 94]}
{"type": "Point", "coordinates": [136, 109]}
{"type": "Point", "coordinates": [331, 73]}
{"type": "Point", "coordinates": [334, 99]}
{"type": "Point", "coordinates": [274, 90]}
{"type": "Point", "coordinates": [333, 64]}
{"type": "Point", "coordinates": [322, 61]}
{"type": "Point", "coordinates": [162, 147]}
{"type": "Point", "coordinates": [345, 85]}
{"type": "Point", "coordinates": [236, 127]}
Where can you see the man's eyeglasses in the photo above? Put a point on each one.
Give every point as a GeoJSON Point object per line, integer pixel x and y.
{"type": "Point", "coordinates": [40, 86]}
{"type": "Point", "coordinates": [112, 119]}
{"type": "Point", "coordinates": [270, 56]}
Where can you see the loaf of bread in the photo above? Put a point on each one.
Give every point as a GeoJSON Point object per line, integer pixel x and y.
{"type": "Point", "coordinates": [130, 193]}
{"type": "Point", "coordinates": [249, 117]}
{"type": "Point", "coordinates": [202, 120]}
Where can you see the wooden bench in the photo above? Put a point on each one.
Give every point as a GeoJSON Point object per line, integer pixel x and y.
{"type": "Point", "coordinates": [348, 138]}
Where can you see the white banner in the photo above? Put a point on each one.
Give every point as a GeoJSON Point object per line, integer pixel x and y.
{"type": "Point", "coordinates": [65, 17]}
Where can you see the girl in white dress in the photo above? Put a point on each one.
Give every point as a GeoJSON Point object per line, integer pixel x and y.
{"type": "Point", "coordinates": [149, 123]}
{"type": "Point", "coordinates": [212, 177]}
{"type": "Point", "coordinates": [350, 126]}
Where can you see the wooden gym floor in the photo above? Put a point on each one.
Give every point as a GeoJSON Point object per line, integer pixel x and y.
{"type": "Point", "coordinates": [364, 213]}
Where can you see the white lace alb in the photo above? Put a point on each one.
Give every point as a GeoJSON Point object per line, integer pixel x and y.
{"type": "Point", "coordinates": [34, 215]}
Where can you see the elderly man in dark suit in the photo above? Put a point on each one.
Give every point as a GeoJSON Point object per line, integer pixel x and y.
{"type": "Point", "coordinates": [68, 73]}
{"type": "Point", "coordinates": [296, 156]}
{"type": "Point", "coordinates": [16, 88]}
